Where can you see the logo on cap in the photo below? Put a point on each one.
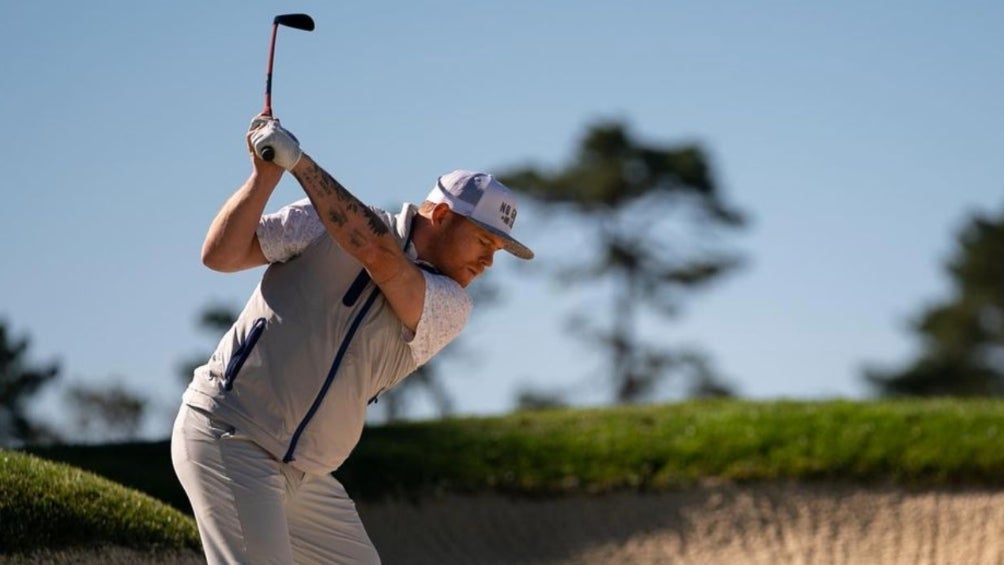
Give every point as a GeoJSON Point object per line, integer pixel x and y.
{"type": "Point", "coordinates": [508, 214]}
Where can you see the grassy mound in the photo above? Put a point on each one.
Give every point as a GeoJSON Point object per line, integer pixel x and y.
{"type": "Point", "coordinates": [912, 443]}
{"type": "Point", "coordinates": [51, 505]}
{"type": "Point", "coordinates": [143, 466]}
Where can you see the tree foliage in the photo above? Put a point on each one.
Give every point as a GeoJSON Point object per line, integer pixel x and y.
{"type": "Point", "coordinates": [650, 216]}
{"type": "Point", "coordinates": [963, 337]}
{"type": "Point", "coordinates": [20, 380]}
{"type": "Point", "coordinates": [105, 413]}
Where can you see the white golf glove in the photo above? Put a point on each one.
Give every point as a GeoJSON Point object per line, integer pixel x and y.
{"type": "Point", "coordinates": [258, 121]}
{"type": "Point", "coordinates": [273, 143]}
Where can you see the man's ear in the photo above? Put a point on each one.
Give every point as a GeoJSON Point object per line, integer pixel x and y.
{"type": "Point", "coordinates": [440, 213]}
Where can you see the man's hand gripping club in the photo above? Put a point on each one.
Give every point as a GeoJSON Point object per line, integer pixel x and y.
{"type": "Point", "coordinates": [273, 143]}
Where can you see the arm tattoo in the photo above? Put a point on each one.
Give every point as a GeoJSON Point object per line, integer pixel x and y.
{"type": "Point", "coordinates": [340, 206]}
{"type": "Point", "coordinates": [337, 217]}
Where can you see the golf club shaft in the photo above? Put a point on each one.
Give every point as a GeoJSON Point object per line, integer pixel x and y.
{"type": "Point", "coordinates": [296, 21]}
{"type": "Point", "coordinates": [268, 153]}
{"type": "Point", "coordinates": [268, 73]}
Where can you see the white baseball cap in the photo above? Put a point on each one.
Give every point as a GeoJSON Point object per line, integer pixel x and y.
{"type": "Point", "coordinates": [484, 201]}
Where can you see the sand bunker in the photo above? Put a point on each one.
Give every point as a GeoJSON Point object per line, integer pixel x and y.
{"type": "Point", "coordinates": [775, 524]}
{"type": "Point", "coordinates": [763, 524]}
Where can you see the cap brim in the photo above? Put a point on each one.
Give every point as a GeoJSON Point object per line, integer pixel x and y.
{"type": "Point", "coordinates": [508, 243]}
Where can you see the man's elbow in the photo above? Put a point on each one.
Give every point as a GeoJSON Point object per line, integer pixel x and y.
{"type": "Point", "coordinates": [219, 262]}
{"type": "Point", "coordinates": [229, 260]}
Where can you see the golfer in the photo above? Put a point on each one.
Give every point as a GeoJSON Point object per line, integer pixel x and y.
{"type": "Point", "coordinates": [352, 301]}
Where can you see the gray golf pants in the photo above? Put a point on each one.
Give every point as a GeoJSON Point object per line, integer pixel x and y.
{"type": "Point", "coordinates": [252, 508]}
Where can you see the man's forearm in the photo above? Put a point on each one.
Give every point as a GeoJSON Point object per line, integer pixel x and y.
{"type": "Point", "coordinates": [352, 224]}
{"type": "Point", "coordinates": [349, 221]}
{"type": "Point", "coordinates": [230, 243]}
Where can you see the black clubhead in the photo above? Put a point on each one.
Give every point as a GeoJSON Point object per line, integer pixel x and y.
{"type": "Point", "coordinates": [295, 21]}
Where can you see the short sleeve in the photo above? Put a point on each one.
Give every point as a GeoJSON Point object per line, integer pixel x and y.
{"type": "Point", "coordinates": [286, 233]}
{"type": "Point", "coordinates": [444, 314]}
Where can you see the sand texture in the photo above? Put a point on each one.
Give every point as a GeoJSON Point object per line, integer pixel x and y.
{"type": "Point", "coordinates": [763, 524]}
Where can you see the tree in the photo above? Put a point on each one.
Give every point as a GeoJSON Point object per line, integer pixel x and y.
{"type": "Point", "coordinates": [652, 212]}
{"type": "Point", "coordinates": [19, 381]}
{"type": "Point", "coordinates": [963, 337]}
{"type": "Point", "coordinates": [105, 413]}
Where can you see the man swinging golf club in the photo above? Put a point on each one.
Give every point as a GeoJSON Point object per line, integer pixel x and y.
{"type": "Point", "coordinates": [352, 301]}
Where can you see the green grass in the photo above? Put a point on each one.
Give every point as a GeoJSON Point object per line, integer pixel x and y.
{"type": "Point", "coordinates": [143, 466]}
{"type": "Point", "coordinates": [915, 443]}
{"type": "Point", "coordinates": [910, 443]}
{"type": "Point", "coordinates": [49, 505]}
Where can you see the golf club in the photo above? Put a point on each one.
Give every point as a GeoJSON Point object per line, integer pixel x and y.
{"type": "Point", "coordinates": [295, 21]}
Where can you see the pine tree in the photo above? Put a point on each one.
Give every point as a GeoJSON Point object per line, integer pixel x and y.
{"type": "Point", "coordinates": [963, 337]}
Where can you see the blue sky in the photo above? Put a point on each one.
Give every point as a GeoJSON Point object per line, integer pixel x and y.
{"type": "Point", "coordinates": [857, 136]}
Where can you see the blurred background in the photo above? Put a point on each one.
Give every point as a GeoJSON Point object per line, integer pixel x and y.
{"type": "Point", "coordinates": [759, 201]}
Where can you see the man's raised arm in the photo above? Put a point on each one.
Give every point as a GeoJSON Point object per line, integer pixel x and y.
{"type": "Point", "coordinates": [356, 228]}
{"type": "Point", "coordinates": [231, 243]}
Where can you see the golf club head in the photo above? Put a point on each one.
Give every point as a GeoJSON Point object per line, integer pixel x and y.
{"type": "Point", "coordinates": [295, 21]}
